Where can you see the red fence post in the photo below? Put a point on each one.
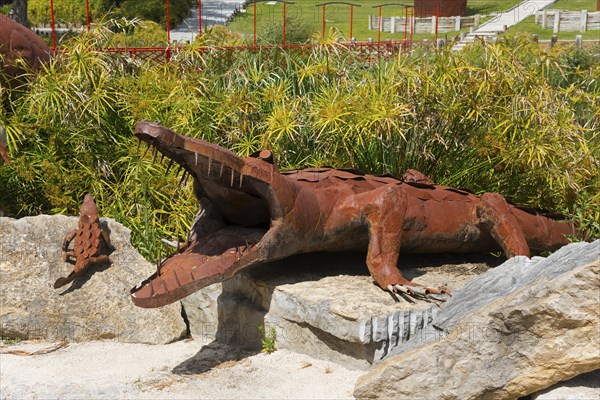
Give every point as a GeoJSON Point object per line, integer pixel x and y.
{"type": "Point", "coordinates": [87, 14]}
{"type": "Point", "coordinates": [53, 29]}
{"type": "Point", "coordinates": [323, 23]}
{"type": "Point", "coordinates": [351, 19]}
{"type": "Point", "coordinates": [168, 31]}
{"type": "Point", "coordinates": [168, 22]}
{"type": "Point", "coordinates": [379, 25]}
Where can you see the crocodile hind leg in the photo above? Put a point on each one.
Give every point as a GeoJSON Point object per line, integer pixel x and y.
{"type": "Point", "coordinates": [496, 214]}
{"type": "Point", "coordinates": [65, 246]}
{"type": "Point", "coordinates": [385, 216]}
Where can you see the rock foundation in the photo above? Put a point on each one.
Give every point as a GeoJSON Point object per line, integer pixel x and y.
{"type": "Point", "coordinates": [94, 306]}
{"type": "Point", "coordinates": [323, 305]}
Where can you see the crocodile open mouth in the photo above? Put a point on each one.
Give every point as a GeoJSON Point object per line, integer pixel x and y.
{"type": "Point", "coordinates": [235, 214]}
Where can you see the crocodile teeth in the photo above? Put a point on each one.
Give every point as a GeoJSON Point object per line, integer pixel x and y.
{"type": "Point", "coordinates": [241, 179]}
{"type": "Point", "coordinates": [146, 151]}
{"type": "Point", "coordinates": [196, 159]}
{"type": "Point", "coordinates": [170, 243]}
{"type": "Point", "coordinates": [183, 177]}
{"type": "Point", "coordinates": [209, 165]}
{"type": "Point", "coordinates": [232, 176]}
{"type": "Point", "coordinates": [221, 171]}
{"type": "Point", "coordinates": [169, 166]}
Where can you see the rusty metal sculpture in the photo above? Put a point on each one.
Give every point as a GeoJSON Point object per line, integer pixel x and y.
{"type": "Point", "coordinates": [252, 213]}
{"type": "Point", "coordinates": [19, 43]}
{"type": "Point", "coordinates": [19, 48]}
{"type": "Point", "coordinates": [87, 247]}
{"type": "Point", "coordinates": [3, 153]}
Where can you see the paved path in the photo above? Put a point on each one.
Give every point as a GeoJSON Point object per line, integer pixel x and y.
{"type": "Point", "coordinates": [504, 20]}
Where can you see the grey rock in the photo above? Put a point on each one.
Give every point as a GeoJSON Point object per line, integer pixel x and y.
{"type": "Point", "coordinates": [202, 310]}
{"type": "Point", "coordinates": [582, 387]}
{"type": "Point", "coordinates": [324, 305]}
{"type": "Point", "coordinates": [94, 306]}
{"type": "Point", "coordinates": [510, 332]}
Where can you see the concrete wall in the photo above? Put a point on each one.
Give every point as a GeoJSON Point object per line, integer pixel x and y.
{"type": "Point", "coordinates": [568, 21]}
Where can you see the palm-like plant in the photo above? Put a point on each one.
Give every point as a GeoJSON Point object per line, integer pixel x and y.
{"type": "Point", "coordinates": [521, 123]}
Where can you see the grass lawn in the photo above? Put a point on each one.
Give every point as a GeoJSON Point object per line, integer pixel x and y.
{"type": "Point", "coordinates": [528, 25]}
{"type": "Point", "coordinates": [574, 5]}
{"type": "Point", "coordinates": [306, 12]}
{"type": "Point", "coordinates": [489, 6]}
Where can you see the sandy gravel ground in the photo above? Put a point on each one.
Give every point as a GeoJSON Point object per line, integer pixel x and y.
{"type": "Point", "coordinates": [182, 370]}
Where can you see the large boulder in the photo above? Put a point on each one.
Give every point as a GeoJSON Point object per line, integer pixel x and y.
{"type": "Point", "coordinates": [512, 331]}
{"type": "Point", "coordinates": [94, 306]}
{"type": "Point", "coordinates": [324, 305]}
{"type": "Point", "coordinates": [582, 387]}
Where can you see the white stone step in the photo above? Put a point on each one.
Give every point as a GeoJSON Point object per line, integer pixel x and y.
{"type": "Point", "coordinates": [502, 21]}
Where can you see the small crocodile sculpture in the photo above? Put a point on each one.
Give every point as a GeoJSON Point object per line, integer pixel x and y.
{"type": "Point", "coordinates": [251, 213]}
{"type": "Point", "coordinates": [86, 249]}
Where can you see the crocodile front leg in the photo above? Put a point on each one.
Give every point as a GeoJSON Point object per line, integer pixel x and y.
{"type": "Point", "coordinates": [384, 213]}
{"type": "Point", "coordinates": [65, 246]}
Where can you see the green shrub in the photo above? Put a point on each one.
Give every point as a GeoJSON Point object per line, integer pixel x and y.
{"type": "Point", "coordinates": [510, 118]}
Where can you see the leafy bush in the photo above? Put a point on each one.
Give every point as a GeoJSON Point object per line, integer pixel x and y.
{"type": "Point", "coordinates": [297, 31]}
{"type": "Point", "coordinates": [510, 118]}
{"type": "Point", "coordinates": [136, 33]}
{"type": "Point", "coordinates": [268, 339]}
{"type": "Point", "coordinates": [73, 11]}
{"type": "Point", "coordinates": [219, 35]}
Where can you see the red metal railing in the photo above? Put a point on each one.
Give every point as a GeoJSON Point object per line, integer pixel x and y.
{"type": "Point", "coordinates": [227, 55]}
{"type": "Point", "coordinates": [366, 51]}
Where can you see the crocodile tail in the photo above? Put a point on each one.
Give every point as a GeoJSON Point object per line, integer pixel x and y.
{"type": "Point", "coordinates": [544, 233]}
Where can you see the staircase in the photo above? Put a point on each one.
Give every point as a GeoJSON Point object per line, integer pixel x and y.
{"type": "Point", "coordinates": [490, 30]}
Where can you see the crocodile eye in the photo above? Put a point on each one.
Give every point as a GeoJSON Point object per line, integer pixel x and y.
{"type": "Point", "coordinates": [265, 155]}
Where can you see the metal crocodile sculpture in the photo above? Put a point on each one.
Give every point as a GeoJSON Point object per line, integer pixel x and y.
{"type": "Point", "coordinates": [251, 213]}
{"type": "Point", "coordinates": [87, 247]}
{"type": "Point", "coordinates": [19, 46]}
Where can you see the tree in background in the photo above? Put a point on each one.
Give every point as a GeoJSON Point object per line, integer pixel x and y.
{"type": "Point", "coordinates": [19, 12]}
{"type": "Point", "coordinates": [155, 10]}
{"type": "Point", "coordinates": [73, 11]}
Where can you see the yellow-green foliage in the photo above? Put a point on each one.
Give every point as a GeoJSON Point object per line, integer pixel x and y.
{"type": "Point", "coordinates": [65, 11]}
{"type": "Point", "coordinates": [73, 12]}
{"type": "Point", "coordinates": [134, 33]}
{"type": "Point", "coordinates": [509, 118]}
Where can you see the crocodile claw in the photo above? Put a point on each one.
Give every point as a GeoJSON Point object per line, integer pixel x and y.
{"type": "Point", "coordinates": [439, 297]}
{"type": "Point", "coordinates": [440, 294]}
